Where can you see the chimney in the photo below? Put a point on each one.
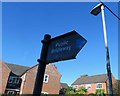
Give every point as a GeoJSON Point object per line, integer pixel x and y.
{"type": "Point", "coordinates": [84, 75]}
{"type": "Point", "coordinates": [55, 66]}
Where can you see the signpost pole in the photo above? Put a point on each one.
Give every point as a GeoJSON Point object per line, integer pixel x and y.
{"type": "Point", "coordinates": [54, 50]}
{"type": "Point", "coordinates": [41, 66]}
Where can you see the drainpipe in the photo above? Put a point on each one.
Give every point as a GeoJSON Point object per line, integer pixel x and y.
{"type": "Point", "coordinates": [106, 86]}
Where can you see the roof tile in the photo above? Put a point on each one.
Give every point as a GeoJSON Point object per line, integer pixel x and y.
{"type": "Point", "coordinates": [17, 69]}
{"type": "Point", "coordinates": [91, 79]}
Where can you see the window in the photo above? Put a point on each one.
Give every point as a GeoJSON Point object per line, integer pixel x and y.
{"type": "Point", "coordinates": [76, 87]}
{"type": "Point", "coordinates": [13, 79]}
{"type": "Point", "coordinates": [99, 86]}
{"type": "Point", "coordinates": [88, 86]}
{"type": "Point", "coordinates": [46, 77]}
{"type": "Point", "coordinates": [10, 92]}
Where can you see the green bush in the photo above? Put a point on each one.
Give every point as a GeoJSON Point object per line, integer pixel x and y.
{"type": "Point", "coordinates": [100, 92]}
{"type": "Point", "coordinates": [81, 90]}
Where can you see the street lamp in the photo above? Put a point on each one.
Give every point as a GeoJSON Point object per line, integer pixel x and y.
{"type": "Point", "coordinates": [95, 11]}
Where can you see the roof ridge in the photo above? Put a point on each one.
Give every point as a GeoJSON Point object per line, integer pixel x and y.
{"type": "Point", "coordinates": [95, 75]}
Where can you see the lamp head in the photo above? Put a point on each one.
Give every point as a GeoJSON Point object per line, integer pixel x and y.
{"type": "Point", "coordinates": [96, 10]}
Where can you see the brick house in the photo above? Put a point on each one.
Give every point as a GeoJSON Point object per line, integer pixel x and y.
{"type": "Point", "coordinates": [17, 79]}
{"type": "Point", "coordinates": [92, 83]}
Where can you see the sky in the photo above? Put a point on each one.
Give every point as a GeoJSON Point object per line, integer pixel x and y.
{"type": "Point", "coordinates": [59, 0]}
{"type": "Point", "coordinates": [24, 25]}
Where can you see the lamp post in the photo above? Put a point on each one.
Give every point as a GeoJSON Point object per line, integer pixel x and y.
{"type": "Point", "coordinates": [95, 11]}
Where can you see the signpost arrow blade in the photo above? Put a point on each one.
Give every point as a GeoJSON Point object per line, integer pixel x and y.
{"type": "Point", "coordinates": [65, 47]}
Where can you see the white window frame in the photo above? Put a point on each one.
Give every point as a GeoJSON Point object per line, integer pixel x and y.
{"type": "Point", "coordinates": [76, 87]}
{"type": "Point", "coordinates": [44, 92]}
{"type": "Point", "coordinates": [10, 92]}
{"type": "Point", "coordinates": [46, 79]}
{"type": "Point", "coordinates": [88, 86]}
{"type": "Point", "coordinates": [16, 81]}
{"type": "Point", "coordinates": [98, 84]}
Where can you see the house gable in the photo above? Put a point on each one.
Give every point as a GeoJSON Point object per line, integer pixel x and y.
{"type": "Point", "coordinates": [4, 72]}
{"type": "Point", "coordinates": [52, 85]}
